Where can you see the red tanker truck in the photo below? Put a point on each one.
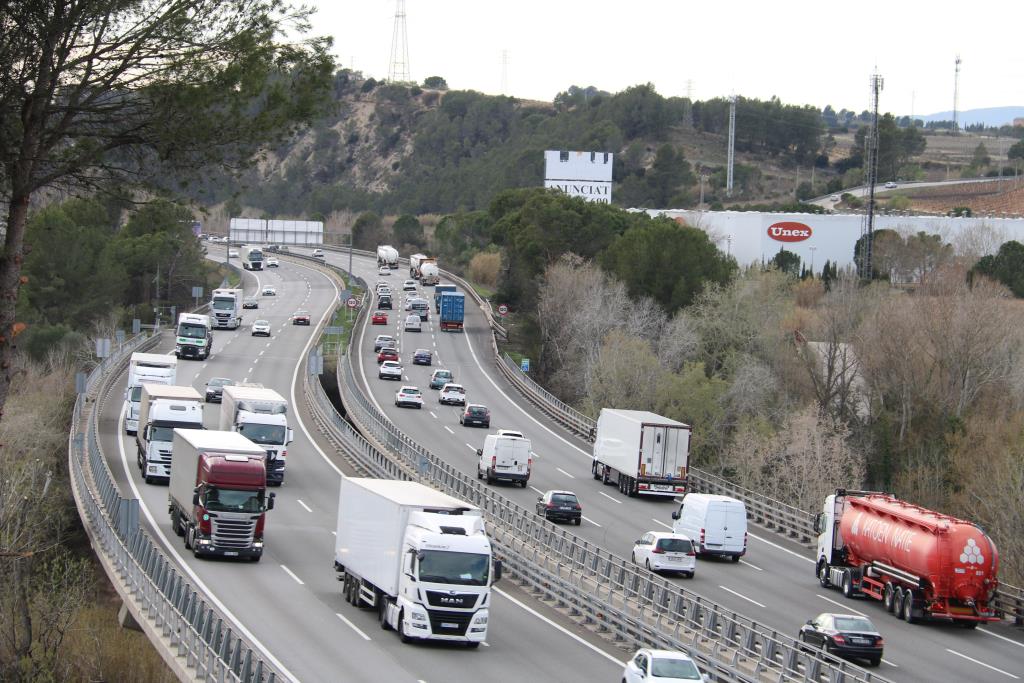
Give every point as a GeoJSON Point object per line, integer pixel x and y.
{"type": "Point", "coordinates": [921, 564]}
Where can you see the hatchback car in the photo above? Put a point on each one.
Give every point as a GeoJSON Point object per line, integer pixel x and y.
{"type": "Point", "coordinates": [409, 396]}
{"type": "Point", "coordinates": [390, 369]}
{"type": "Point", "coordinates": [384, 301]}
{"type": "Point", "coordinates": [318, 253]}
{"type": "Point", "coordinates": [409, 286]}
{"type": "Point", "coordinates": [261, 328]}
{"type": "Point", "coordinates": [379, 341]}
{"type": "Point", "coordinates": [215, 388]}
{"type": "Point", "coordinates": [383, 270]}
{"type": "Point", "coordinates": [379, 318]}
{"type": "Point", "coordinates": [844, 635]}
{"type": "Point", "coordinates": [300, 318]}
{"type": "Point", "coordinates": [387, 353]}
{"type": "Point", "coordinates": [441, 377]}
{"type": "Point", "coordinates": [560, 506]}
{"type": "Point", "coordinates": [475, 414]}
{"type": "Point", "coordinates": [452, 394]}
{"type": "Point", "coordinates": [232, 253]}
{"type": "Point", "coordinates": [661, 665]}
{"type": "Point", "coordinates": [272, 262]}
{"type": "Point", "coordinates": [251, 302]}
{"type": "Point", "coordinates": [269, 290]}
{"type": "Point", "coordinates": [422, 357]}
{"type": "Point", "coordinates": [665, 552]}
{"type": "Point", "coordinates": [413, 324]}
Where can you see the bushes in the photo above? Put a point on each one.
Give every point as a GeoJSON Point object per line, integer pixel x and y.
{"type": "Point", "coordinates": [484, 268]}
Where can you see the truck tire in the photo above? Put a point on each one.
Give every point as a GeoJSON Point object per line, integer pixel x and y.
{"type": "Point", "coordinates": [176, 522]}
{"type": "Point", "coordinates": [188, 537]}
{"type": "Point", "coordinates": [593, 470]}
{"type": "Point", "coordinates": [848, 590]}
{"type": "Point", "coordinates": [823, 574]}
{"type": "Point", "coordinates": [605, 479]}
{"type": "Point", "coordinates": [401, 628]}
{"type": "Point", "coordinates": [888, 596]}
{"type": "Point", "coordinates": [490, 479]}
{"type": "Point", "coordinates": [908, 607]}
{"type": "Point", "coordinates": [382, 613]}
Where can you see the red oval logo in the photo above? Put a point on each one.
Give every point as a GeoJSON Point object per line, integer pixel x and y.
{"type": "Point", "coordinates": [789, 231]}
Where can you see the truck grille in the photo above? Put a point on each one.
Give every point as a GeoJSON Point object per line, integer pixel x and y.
{"type": "Point", "coordinates": [233, 532]}
{"type": "Point", "coordinates": [445, 623]}
{"type": "Point", "coordinates": [161, 456]}
{"type": "Point", "coordinates": [457, 600]}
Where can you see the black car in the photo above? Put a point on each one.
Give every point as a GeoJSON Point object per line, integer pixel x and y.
{"type": "Point", "coordinates": [475, 414]}
{"type": "Point", "coordinates": [384, 301]}
{"type": "Point", "coordinates": [560, 506]}
{"type": "Point", "coordinates": [845, 635]}
{"type": "Point", "coordinates": [422, 357]}
{"type": "Point", "coordinates": [215, 389]}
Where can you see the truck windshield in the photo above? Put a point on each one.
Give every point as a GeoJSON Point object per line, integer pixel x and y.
{"type": "Point", "coordinates": [440, 566]}
{"type": "Point", "coordinates": [224, 304]}
{"type": "Point", "coordinates": [192, 331]}
{"type": "Point", "coordinates": [161, 433]}
{"type": "Point", "coordinates": [136, 394]}
{"type": "Point", "coordinates": [230, 500]}
{"type": "Point", "coordinates": [272, 434]}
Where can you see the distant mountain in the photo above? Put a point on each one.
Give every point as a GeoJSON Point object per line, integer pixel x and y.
{"type": "Point", "coordinates": [992, 116]}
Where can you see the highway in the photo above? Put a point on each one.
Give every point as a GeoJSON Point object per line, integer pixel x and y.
{"type": "Point", "coordinates": [290, 604]}
{"type": "Point", "coordinates": [774, 584]}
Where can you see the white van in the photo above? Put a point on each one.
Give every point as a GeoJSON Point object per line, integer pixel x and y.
{"type": "Point", "coordinates": [505, 458]}
{"type": "Point", "coordinates": [716, 524]}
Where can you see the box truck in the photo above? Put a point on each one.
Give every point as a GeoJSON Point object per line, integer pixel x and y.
{"type": "Point", "coordinates": [154, 368]}
{"type": "Point", "coordinates": [162, 408]}
{"type": "Point", "coordinates": [420, 557]}
{"type": "Point", "coordinates": [218, 497]}
{"type": "Point", "coordinates": [506, 456]}
{"type": "Point", "coordinates": [252, 258]}
{"type": "Point", "coordinates": [453, 311]}
{"type": "Point", "coordinates": [921, 564]}
{"type": "Point", "coordinates": [643, 453]}
{"type": "Point", "coordinates": [193, 337]}
{"type": "Point", "coordinates": [260, 415]}
{"type": "Point", "coordinates": [387, 256]}
{"type": "Point", "coordinates": [226, 307]}
{"type": "Point", "coordinates": [438, 291]}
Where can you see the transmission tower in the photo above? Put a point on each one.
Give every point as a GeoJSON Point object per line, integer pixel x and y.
{"type": "Point", "coordinates": [504, 72]}
{"type": "Point", "coordinates": [956, 97]}
{"type": "Point", "coordinates": [398, 67]}
{"type": "Point", "coordinates": [732, 146]}
{"type": "Point", "coordinates": [867, 229]}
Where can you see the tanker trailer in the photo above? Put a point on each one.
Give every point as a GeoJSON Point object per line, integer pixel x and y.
{"type": "Point", "coordinates": [921, 564]}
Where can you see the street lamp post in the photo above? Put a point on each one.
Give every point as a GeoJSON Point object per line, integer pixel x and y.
{"type": "Point", "coordinates": [812, 260]}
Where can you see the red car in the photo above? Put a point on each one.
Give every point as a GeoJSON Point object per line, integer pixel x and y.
{"type": "Point", "coordinates": [379, 318]}
{"type": "Point", "coordinates": [300, 318]}
{"type": "Point", "coordinates": [387, 354]}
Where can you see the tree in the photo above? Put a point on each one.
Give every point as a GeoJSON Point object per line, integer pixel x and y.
{"type": "Point", "coordinates": [93, 92]}
{"type": "Point", "coordinates": [1016, 150]}
{"type": "Point", "coordinates": [368, 231]}
{"type": "Point", "coordinates": [981, 157]}
{"type": "Point", "coordinates": [435, 83]}
{"type": "Point", "coordinates": [408, 230]}
{"type": "Point", "coordinates": [786, 262]}
{"type": "Point", "coordinates": [1006, 266]}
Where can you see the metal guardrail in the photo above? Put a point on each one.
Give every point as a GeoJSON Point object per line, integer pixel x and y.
{"type": "Point", "coordinates": [634, 604]}
{"type": "Point", "coordinates": [193, 637]}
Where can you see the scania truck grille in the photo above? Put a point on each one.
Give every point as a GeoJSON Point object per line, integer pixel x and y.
{"type": "Point", "coordinates": [233, 533]}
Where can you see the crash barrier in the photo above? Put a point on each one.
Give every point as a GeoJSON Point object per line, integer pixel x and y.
{"type": "Point", "coordinates": [196, 641]}
{"type": "Point", "coordinates": [632, 604]}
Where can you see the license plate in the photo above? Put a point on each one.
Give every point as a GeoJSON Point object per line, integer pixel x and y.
{"type": "Point", "coordinates": [231, 553]}
{"type": "Point", "coordinates": [661, 487]}
{"type": "Point", "coordinates": [446, 624]}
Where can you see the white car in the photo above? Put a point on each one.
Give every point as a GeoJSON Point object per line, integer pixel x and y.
{"type": "Point", "coordinates": [409, 286]}
{"type": "Point", "coordinates": [664, 551]}
{"type": "Point", "coordinates": [232, 253]}
{"type": "Point", "coordinates": [452, 394]}
{"type": "Point", "coordinates": [383, 270]}
{"type": "Point", "coordinates": [664, 666]}
{"type": "Point", "coordinates": [409, 396]}
{"type": "Point", "coordinates": [413, 324]}
{"type": "Point", "coordinates": [891, 185]}
{"type": "Point", "coordinates": [272, 262]}
{"type": "Point", "coordinates": [834, 198]}
{"type": "Point", "coordinates": [318, 253]}
{"type": "Point", "coordinates": [382, 340]}
{"type": "Point", "coordinates": [269, 290]}
{"type": "Point", "coordinates": [261, 327]}
{"type": "Point", "coordinates": [389, 369]}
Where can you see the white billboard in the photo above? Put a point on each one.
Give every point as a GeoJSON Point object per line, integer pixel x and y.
{"type": "Point", "coordinates": [261, 231]}
{"type": "Point", "coordinates": [580, 174]}
{"type": "Point", "coordinates": [755, 237]}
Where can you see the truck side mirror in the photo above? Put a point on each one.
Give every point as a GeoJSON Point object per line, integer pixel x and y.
{"type": "Point", "coordinates": [195, 497]}
{"type": "Point", "coordinates": [479, 451]}
{"type": "Point", "coordinates": [497, 571]}
{"type": "Point", "coordinates": [270, 501]}
{"type": "Point", "coordinates": [540, 499]}
{"type": "Point", "coordinates": [291, 436]}
{"type": "Point", "coordinates": [675, 515]}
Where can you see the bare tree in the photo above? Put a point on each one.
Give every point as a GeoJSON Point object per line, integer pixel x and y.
{"type": "Point", "coordinates": [625, 374]}
{"type": "Point", "coordinates": [678, 342]}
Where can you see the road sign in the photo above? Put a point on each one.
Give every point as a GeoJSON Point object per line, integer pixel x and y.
{"type": "Point", "coordinates": [352, 302]}
{"type": "Point", "coordinates": [503, 309]}
{"type": "Point", "coordinates": [524, 365]}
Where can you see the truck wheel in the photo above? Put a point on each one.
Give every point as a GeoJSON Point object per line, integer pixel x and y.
{"type": "Point", "coordinates": [908, 607]}
{"type": "Point", "coordinates": [848, 590]}
{"type": "Point", "coordinates": [176, 522]}
{"type": "Point", "coordinates": [401, 628]}
{"type": "Point", "coordinates": [887, 596]}
{"type": "Point", "coordinates": [593, 470]}
{"type": "Point", "coordinates": [479, 474]}
{"type": "Point", "coordinates": [188, 538]}
{"type": "Point", "coordinates": [823, 574]}
{"type": "Point", "coordinates": [382, 613]}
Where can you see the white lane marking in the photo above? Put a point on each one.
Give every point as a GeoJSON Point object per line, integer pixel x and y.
{"type": "Point", "coordinates": [779, 547]}
{"type": "Point", "coordinates": [740, 595]}
{"type": "Point", "coordinates": [485, 643]}
{"type": "Point", "coordinates": [536, 489]}
{"type": "Point", "coordinates": [433, 414]}
{"type": "Point", "coordinates": [565, 473]}
{"type": "Point", "coordinates": [892, 664]}
{"type": "Point", "coordinates": [840, 604]}
{"type": "Point", "coordinates": [184, 565]}
{"type": "Point", "coordinates": [751, 565]}
{"type": "Point", "coordinates": [250, 371]}
{"type": "Point", "coordinates": [656, 521]}
{"type": "Point", "coordinates": [618, 502]}
{"type": "Point", "coordinates": [567, 632]}
{"type": "Point", "coordinates": [470, 448]}
{"type": "Point", "coordinates": [996, 635]}
{"type": "Point", "coordinates": [308, 509]}
{"type": "Point", "coordinates": [292, 574]}
{"type": "Point", "coordinates": [450, 431]}
{"type": "Point", "coordinates": [335, 533]}
{"type": "Point", "coordinates": [353, 626]}
{"type": "Point", "coordinates": [987, 666]}
{"type": "Point", "coordinates": [591, 521]}
{"type": "Point", "coordinates": [263, 352]}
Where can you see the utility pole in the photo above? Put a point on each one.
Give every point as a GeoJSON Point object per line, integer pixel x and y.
{"type": "Point", "coordinates": [871, 168]}
{"type": "Point", "coordinates": [731, 157]}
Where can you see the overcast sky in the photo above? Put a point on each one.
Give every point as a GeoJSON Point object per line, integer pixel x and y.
{"type": "Point", "coordinates": [804, 52]}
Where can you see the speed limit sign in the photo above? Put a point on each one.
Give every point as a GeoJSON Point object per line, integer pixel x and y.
{"type": "Point", "coordinates": [352, 302]}
{"type": "Point", "coordinates": [503, 309]}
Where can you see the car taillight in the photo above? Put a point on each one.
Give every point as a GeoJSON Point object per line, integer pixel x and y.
{"type": "Point", "coordinates": [529, 467]}
{"type": "Point", "coordinates": [691, 553]}
{"type": "Point", "coordinates": [838, 639]}
{"type": "Point", "coordinates": [494, 462]}
{"type": "Point", "coordinates": [550, 506]}
{"type": "Point", "coordinates": [577, 506]}
{"type": "Point", "coordinates": [702, 537]}
{"type": "Point", "coordinates": [658, 551]}
{"type": "Point", "coordinates": [744, 540]}
{"type": "Point", "coordinates": [879, 642]}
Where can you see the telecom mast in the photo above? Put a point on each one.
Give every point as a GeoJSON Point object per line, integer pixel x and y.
{"type": "Point", "coordinates": [867, 229]}
{"type": "Point", "coordinates": [956, 97]}
{"type": "Point", "coordinates": [398, 67]}
{"type": "Point", "coordinates": [732, 146]}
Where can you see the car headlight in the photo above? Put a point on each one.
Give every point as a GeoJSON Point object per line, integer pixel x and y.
{"type": "Point", "coordinates": [480, 619]}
